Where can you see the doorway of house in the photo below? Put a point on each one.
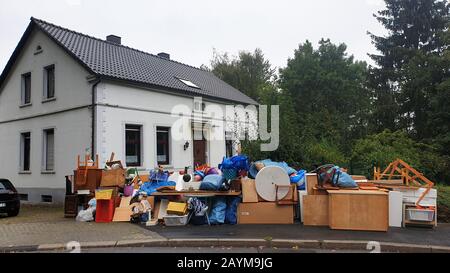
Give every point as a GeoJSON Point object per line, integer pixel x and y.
{"type": "Point", "coordinates": [200, 152]}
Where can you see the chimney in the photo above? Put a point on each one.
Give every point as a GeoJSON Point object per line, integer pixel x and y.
{"type": "Point", "coordinates": [114, 39]}
{"type": "Point", "coordinates": [164, 55]}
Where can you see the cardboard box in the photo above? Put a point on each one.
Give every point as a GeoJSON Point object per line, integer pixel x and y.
{"type": "Point", "coordinates": [177, 208]}
{"type": "Point", "coordinates": [265, 213]}
{"type": "Point", "coordinates": [249, 194]}
{"type": "Point", "coordinates": [315, 210]}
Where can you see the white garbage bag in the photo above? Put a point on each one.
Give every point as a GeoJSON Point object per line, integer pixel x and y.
{"type": "Point", "coordinates": [86, 215]}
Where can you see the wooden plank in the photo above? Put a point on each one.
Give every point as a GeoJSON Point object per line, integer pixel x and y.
{"type": "Point", "coordinates": [358, 192]}
{"type": "Point", "coordinates": [371, 188]}
{"type": "Point", "coordinates": [358, 177]}
{"type": "Point", "coordinates": [311, 182]}
{"type": "Point", "coordinates": [215, 193]}
{"type": "Point", "coordinates": [387, 181]}
{"type": "Point", "coordinates": [265, 213]}
{"type": "Point", "coordinates": [315, 210]}
{"type": "Point", "coordinates": [359, 210]}
{"type": "Point", "coordinates": [249, 194]}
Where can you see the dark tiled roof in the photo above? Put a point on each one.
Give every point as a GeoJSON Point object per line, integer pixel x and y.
{"type": "Point", "coordinates": [110, 60]}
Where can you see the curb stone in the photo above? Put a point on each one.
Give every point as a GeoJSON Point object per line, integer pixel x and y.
{"type": "Point", "coordinates": [52, 247]}
{"type": "Point", "coordinates": [98, 244]}
{"type": "Point", "coordinates": [143, 243]}
{"type": "Point", "coordinates": [11, 249]}
{"type": "Point", "coordinates": [217, 242]}
{"type": "Point", "coordinates": [405, 248]}
{"type": "Point", "coordinates": [440, 249]}
{"type": "Point", "coordinates": [207, 242]}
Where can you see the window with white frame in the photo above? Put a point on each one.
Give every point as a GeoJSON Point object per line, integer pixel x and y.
{"type": "Point", "coordinates": [189, 83]}
{"type": "Point", "coordinates": [163, 145]}
{"type": "Point", "coordinates": [26, 89]}
{"type": "Point", "coordinates": [133, 151]}
{"type": "Point", "coordinates": [49, 82]}
{"type": "Point", "coordinates": [25, 149]}
{"type": "Point", "coordinates": [49, 150]}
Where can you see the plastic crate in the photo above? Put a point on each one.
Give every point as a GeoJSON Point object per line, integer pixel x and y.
{"type": "Point", "coordinates": [103, 194]}
{"type": "Point", "coordinates": [175, 220]}
{"type": "Point", "coordinates": [105, 211]}
{"type": "Point", "coordinates": [424, 215]}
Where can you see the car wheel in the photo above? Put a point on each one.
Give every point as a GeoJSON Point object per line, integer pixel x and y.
{"type": "Point", "coordinates": [13, 213]}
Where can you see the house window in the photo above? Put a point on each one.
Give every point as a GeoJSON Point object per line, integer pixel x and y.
{"type": "Point", "coordinates": [199, 106]}
{"type": "Point", "coordinates": [49, 82]}
{"type": "Point", "coordinates": [49, 150]}
{"type": "Point", "coordinates": [228, 144]}
{"type": "Point", "coordinates": [26, 88]}
{"type": "Point", "coordinates": [46, 198]}
{"type": "Point", "coordinates": [25, 147]}
{"type": "Point", "coordinates": [23, 196]}
{"type": "Point", "coordinates": [189, 83]}
{"type": "Point", "coordinates": [162, 145]}
{"type": "Point", "coordinates": [133, 145]}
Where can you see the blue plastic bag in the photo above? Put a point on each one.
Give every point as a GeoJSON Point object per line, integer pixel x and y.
{"type": "Point", "coordinates": [299, 179]}
{"type": "Point", "coordinates": [268, 162]}
{"type": "Point", "coordinates": [237, 162]}
{"type": "Point", "coordinates": [231, 211]}
{"type": "Point", "coordinates": [151, 187]}
{"type": "Point", "coordinates": [343, 179]}
{"type": "Point", "coordinates": [211, 182]}
{"type": "Point", "coordinates": [218, 210]}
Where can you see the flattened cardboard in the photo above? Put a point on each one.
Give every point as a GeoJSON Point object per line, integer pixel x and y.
{"type": "Point", "coordinates": [249, 194]}
{"type": "Point", "coordinates": [265, 213]}
{"type": "Point", "coordinates": [122, 214]}
{"type": "Point", "coordinates": [125, 202]}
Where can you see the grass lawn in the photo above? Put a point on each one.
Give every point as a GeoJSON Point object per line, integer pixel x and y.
{"type": "Point", "coordinates": [443, 206]}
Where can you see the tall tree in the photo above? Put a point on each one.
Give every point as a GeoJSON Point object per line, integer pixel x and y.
{"type": "Point", "coordinates": [250, 72]}
{"type": "Point", "coordinates": [327, 89]}
{"type": "Point", "coordinates": [408, 70]}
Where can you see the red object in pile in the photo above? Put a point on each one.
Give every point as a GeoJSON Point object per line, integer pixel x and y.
{"type": "Point", "coordinates": [105, 211]}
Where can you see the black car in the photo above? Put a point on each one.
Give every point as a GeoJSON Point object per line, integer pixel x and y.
{"type": "Point", "coordinates": [9, 198]}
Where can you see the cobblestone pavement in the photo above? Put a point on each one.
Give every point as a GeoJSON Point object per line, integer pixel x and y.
{"type": "Point", "coordinates": [37, 225]}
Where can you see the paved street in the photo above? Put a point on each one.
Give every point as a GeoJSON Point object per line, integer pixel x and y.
{"type": "Point", "coordinates": [411, 235]}
{"type": "Point", "coordinates": [43, 229]}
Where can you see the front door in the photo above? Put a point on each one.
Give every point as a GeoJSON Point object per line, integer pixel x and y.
{"type": "Point", "coordinates": [199, 152]}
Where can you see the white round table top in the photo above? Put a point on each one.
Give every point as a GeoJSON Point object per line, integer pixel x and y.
{"type": "Point", "coordinates": [266, 181]}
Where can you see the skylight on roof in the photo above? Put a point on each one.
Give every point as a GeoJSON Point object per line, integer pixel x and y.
{"type": "Point", "coordinates": [189, 83]}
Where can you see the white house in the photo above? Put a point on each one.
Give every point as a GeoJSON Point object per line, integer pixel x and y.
{"type": "Point", "coordinates": [63, 93]}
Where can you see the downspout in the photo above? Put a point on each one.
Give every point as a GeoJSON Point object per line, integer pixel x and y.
{"type": "Point", "coordinates": [94, 116]}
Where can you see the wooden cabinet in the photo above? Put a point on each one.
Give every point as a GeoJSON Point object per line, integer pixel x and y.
{"type": "Point", "coordinates": [358, 210]}
{"type": "Point", "coordinates": [89, 181]}
{"type": "Point", "coordinates": [315, 210]}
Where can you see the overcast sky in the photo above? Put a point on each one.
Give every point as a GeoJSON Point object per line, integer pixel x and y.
{"type": "Point", "coordinates": [190, 29]}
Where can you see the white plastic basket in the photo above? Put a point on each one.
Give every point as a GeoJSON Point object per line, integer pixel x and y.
{"type": "Point", "coordinates": [425, 215]}
{"type": "Point", "coordinates": [175, 220]}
